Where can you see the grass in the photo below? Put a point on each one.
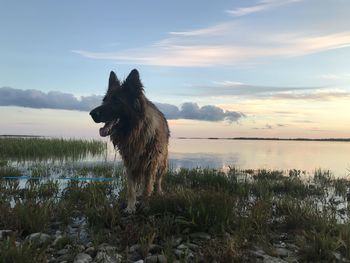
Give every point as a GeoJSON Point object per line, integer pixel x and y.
{"type": "Point", "coordinates": [45, 148]}
{"type": "Point", "coordinates": [240, 210]}
{"type": "Point", "coordinates": [10, 252]}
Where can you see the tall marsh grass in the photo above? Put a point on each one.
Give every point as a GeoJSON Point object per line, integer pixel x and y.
{"type": "Point", "coordinates": [44, 148]}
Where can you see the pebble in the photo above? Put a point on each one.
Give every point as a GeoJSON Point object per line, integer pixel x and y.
{"type": "Point", "coordinates": [39, 238]}
{"type": "Point", "coordinates": [182, 247]}
{"type": "Point", "coordinates": [62, 252]}
{"type": "Point", "coordinates": [108, 257]}
{"type": "Point", "coordinates": [135, 248]}
{"type": "Point", "coordinates": [201, 235]}
{"type": "Point", "coordinates": [57, 239]}
{"type": "Point", "coordinates": [82, 258]}
{"type": "Point", "coordinates": [177, 241]}
{"type": "Point", "coordinates": [282, 252]}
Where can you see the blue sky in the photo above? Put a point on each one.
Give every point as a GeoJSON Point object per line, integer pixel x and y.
{"type": "Point", "coordinates": [283, 64]}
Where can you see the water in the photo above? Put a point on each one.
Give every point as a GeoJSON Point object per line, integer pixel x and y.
{"type": "Point", "coordinates": [245, 154]}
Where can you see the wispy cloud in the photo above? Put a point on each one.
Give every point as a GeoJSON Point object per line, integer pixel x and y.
{"type": "Point", "coordinates": [207, 31]}
{"type": "Point", "coordinates": [58, 100]}
{"type": "Point", "coordinates": [236, 42]}
{"type": "Point", "coordinates": [239, 89]}
{"type": "Point", "coordinates": [262, 5]}
{"type": "Point", "coordinates": [319, 95]}
{"type": "Point", "coordinates": [233, 88]}
{"type": "Point", "coordinates": [332, 76]}
{"type": "Point", "coordinates": [190, 50]}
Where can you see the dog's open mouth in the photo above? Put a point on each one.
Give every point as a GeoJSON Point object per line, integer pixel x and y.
{"type": "Point", "coordinates": [106, 130]}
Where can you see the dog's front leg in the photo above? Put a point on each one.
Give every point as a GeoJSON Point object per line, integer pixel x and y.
{"type": "Point", "coordinates": [131, 196]}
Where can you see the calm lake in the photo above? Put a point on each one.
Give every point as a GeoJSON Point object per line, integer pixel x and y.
{"type": "Point", "coordinates": [258, 154]}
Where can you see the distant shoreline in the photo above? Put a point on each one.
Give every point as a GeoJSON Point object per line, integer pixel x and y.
{"type": "Point", "coordinates": [266, 139]}
{"type": "Point", "coordinates": [214, 138]}
{"type": "Point", "coordinates": [20, 136]}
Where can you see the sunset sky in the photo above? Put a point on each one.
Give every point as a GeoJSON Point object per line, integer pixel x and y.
{"type": "Point", "coordinates": [266, 68]}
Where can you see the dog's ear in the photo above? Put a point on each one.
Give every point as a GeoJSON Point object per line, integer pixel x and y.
{"type": "Point", "coordinates": [113, 81]}
{"type": "Point", "coordinates": [133, 83]}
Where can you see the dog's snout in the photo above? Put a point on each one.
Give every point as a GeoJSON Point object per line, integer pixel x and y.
{"type": "Point", "coordinates": [95, 114]}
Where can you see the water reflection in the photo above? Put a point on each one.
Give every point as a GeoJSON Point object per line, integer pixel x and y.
{"type": "Point", "coordinates": [244, 154]}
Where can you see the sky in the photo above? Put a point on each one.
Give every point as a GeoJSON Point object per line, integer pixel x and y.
{"type": "Point", "coordinates": [244, 68]}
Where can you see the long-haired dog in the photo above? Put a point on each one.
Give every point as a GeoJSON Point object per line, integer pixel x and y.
{"type": "Point", "coordinates": [139, 131]}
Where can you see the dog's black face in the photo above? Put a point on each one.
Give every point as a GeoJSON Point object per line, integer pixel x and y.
{"type": "Point", "coordinates": [121, 101]}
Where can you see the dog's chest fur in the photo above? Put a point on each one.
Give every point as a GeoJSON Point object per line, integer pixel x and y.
{"type": "Point", "coordinates": [142, 138]}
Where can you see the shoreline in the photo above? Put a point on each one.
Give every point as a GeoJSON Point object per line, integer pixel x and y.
{"type": "Point", "coordinates": [266, 139]}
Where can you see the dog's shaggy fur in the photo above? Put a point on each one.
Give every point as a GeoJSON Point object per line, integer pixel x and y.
{"type": "Point", "coordinates": [139, 131]}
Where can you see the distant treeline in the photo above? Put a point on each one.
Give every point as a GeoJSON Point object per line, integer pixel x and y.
{"type": "Point", "coordinates": [270, 139]}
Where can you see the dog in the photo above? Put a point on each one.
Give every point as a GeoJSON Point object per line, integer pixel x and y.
{"type": "Point", "coordinates": [139, 131]}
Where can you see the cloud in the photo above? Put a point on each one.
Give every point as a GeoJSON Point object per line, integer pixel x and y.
{"type": "Point", "coordinates": [237, 42]}
{"type": "Point", "coordinates": [190, 49]}
{"type": "Point", "coordinates": [52, 99]}
{"type": "Point", "coordinates": [331, 76]}
{"type": "Point", "coordinates": [262, 5]}
{"type": "Point", "coordinates": [58, 100]}
{"type": "Point", "coordinates": [192, 111]}
{"type": "Point", "coordinates": [232, 88]}
{"type": "Point", "coordinates": [319, 95]}
{"type": "Point", "coordinates": [266, 127]}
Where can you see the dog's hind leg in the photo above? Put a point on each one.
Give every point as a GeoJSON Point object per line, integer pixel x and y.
{"type": "Point", "coordinates": [131, 195]}
{"type": "Point", "coordinates": [150, 175]}
{"type": "Point", "coordinates": [160, 173]}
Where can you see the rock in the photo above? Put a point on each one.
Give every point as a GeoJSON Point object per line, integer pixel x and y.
{"type": "Point", "coordinates": [39, 238]}
{"type": "Point", "coordinates": [269, 259]}
{"type": "Point", "coordinates": [282, 252]}
{"type": "Point", "coordinates": [80, 248]}
{"type": "Point", "coordinates": [82, 258]}
{"type": "Point", "coordinates": [68, 246]}
{"type": "Point", "coordinates": [108, 257]}
{"type": "Point", "coordinates": [182, 247]}
{"type": "Point", "coordinates": [200, 235]}
{"type": "Point", "coordinates": [5, 233]}
{"type": "Point", "coordinates": [63, 251]}
{"type": "Point", "coordinates": [66, 257]}
{"type": "Point", "coordinates": [192, 246]}
{"type": "Point", "coordinates": [57, 239]}
{"type": "Point", "coordinates": [156, 259]}
{"type": "Point", "coordinates": [139, 261]}
{"type": "Point", "coordinates": [90, 244]}
{"type": "Point", "coordinates": [135, 248]}
{"type": "Point", "coordinates": [179, 253]}
{"type": "Point", "coordinates": [176, 241]}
